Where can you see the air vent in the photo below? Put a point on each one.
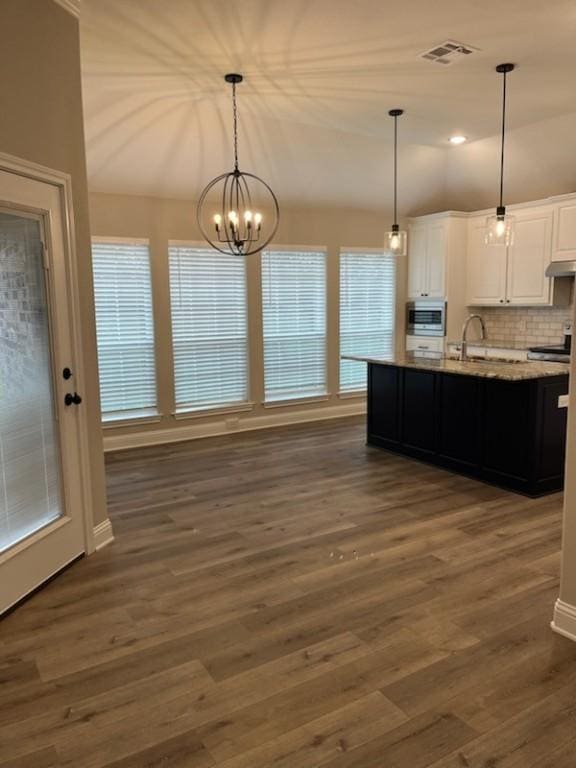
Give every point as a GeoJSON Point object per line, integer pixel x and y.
{"type": "Point", "coordinates": [448, 52]}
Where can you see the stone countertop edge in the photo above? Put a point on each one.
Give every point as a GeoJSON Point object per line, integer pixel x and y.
{"type": "Point", "coordinates": [488, 370]}
{"type": "Point", "coordinates": [489, 344]}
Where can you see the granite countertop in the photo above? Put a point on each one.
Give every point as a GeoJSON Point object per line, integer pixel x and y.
{"type": "Point", "coordinates": [489, 369]}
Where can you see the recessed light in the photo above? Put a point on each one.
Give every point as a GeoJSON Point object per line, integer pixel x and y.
{"type": "Point", "coordinates": [457, 139]}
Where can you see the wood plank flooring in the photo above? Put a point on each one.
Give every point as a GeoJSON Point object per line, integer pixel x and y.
{"type": "Point", "coordinates": [294, 599]}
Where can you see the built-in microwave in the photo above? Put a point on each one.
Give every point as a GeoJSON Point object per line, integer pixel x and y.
{"type": "Point", "coordinates": [426, 318]}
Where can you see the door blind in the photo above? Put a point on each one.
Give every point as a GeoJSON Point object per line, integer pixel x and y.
{"type": "Point", "coordinates": [125, 329]}
{"type": "Point", "coordinates": [294, 319]}
{"type": "Point", "coordinates": [209, 327]}
{"type": "Point", "coordinates": [367, 311]}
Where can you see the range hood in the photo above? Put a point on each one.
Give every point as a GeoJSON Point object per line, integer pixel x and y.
{"type": "Point", "coordinates": [561, 269]}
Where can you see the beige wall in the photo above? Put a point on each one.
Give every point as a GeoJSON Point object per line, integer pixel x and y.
{"type": "Point", "coordinates": [568, 579]}
{"type": "Point", "coordinates": [539, 164]}
{"type": "Point", "coordinates": [41, 121]}
{"type": "Point", "coordinates": [162, 219]}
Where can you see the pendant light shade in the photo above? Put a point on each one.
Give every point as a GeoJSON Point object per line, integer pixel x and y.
{"type": "Point", "coordinates": [396, 239]}
{"type": "Point", "coordinates": [500, 227]}
{"type": "Point", "coordinates": [238, 212]}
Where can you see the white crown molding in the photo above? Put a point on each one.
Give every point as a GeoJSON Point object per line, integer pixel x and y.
{"type": "Point", "coordinates": [103, 534]}
{"type": "Point", "coordinates": [564, 622]}
{"type": "Point", "coordinates": [72, 6]}
{"type": "Point", "coordinates": [219, 427]}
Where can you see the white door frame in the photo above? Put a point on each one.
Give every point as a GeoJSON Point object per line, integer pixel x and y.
{"type": "Point", "coordinates": [63, 181]}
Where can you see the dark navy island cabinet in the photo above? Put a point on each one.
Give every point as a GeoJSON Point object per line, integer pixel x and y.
{"type": "Point", "coordinates": [509, 433]}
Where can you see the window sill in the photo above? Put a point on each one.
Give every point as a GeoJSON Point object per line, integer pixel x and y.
{"type": "Point", "coordinates": [126, 420]}
{"type": "Point", "coordinates": [352, 394]}
{"type": "Point", "coordinates": [296, 401]}
{"type": "Point", "coordinates": [216, 410]}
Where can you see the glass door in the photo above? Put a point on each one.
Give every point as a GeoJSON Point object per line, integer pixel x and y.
{"type": "Point", "coordinates": [30, 474]}
{"type": "Point", "coordinates": [41, 511]}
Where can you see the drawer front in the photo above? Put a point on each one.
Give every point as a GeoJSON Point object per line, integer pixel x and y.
{"type": "Point", "coordinates": [424, 344]}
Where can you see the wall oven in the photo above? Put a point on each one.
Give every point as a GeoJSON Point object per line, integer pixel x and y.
{"type": "Point", "coordinates": [426, 318]}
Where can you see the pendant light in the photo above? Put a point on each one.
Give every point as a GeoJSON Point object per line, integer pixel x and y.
{"type": "Point", "coordinates": [396, 239]}
{"type": "Point", "coordinates": [227, 212]}
{"type": "Point", "coordinates": [500, 228]}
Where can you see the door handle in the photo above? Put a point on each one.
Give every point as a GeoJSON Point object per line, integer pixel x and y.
{"type": "Point", "coordinates": [72, 399]}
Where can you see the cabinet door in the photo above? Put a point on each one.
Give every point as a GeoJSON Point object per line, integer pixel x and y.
{"type": "Point", "coordinates": [417, 262]}
{"type": "Point", "coordinates": [436, 261]}
{"type": "Point", "coordinates": [528, 258]}
{"type": "Point", "coordinates": [418, 411]}
{"type": "Point", "coordinates": [486, 273]}
{"type": "Point", "coordinates": [565, 231]}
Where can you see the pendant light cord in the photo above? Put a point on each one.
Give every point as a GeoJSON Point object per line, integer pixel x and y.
{"type": "Point", "coordinates": [235, 116]}
{"type": "Point", "coordinates": [395, 169]}
{"type": "Point", "coordinates": [503, 134]}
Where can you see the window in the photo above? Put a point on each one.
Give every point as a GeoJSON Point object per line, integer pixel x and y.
{"type": "Point", "coordinates": [294, 318]}
{"type": "Point", "coordinates": [367, 311]}
{"type": "Point", "coordinates": [124, 328]}
{"type": "Point", "coordinates": [209, 327]}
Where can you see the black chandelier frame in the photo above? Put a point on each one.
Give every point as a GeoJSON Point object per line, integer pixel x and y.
{"type": "Point", "coordinates": [240, 236]}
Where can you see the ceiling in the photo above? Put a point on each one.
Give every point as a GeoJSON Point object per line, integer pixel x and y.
{"type": "Point", "coordinates": [320, 76]}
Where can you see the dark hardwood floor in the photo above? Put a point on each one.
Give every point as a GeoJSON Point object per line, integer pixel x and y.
{"type": "Point", "coordinates": [294, 599]}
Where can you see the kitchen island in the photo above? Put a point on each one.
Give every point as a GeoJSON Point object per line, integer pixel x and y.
{"type": "Point", "coordinates": [496, 421]}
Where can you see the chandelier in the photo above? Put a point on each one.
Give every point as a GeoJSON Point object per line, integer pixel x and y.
{"type": "Point", "coordinates": [229, 214]}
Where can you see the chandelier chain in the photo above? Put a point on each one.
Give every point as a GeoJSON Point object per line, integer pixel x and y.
{"type": "Point", "coordinates": [235, 116]}
{"type": "Point", "coordinates": [503, 135]}
{"type": "Point", "coordinates": [395, 169]}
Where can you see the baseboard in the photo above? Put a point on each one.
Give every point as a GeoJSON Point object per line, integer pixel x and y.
{"type": "Point", "coordinates": [196, 431]}
{"type": "Point", "coordinates": [564, 621]}
{"type": "Point", "coordinates": [103, 534]}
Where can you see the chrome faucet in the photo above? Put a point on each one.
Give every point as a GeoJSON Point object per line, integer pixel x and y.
{"type": "Point", "coordinates": [464, 342]}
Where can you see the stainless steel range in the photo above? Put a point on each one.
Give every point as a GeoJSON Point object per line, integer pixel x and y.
{"type": "Point", "coordinates": [560, 354]}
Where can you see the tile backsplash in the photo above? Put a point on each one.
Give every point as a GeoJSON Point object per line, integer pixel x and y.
{"type": "Point", "coordinates": [526, 326]}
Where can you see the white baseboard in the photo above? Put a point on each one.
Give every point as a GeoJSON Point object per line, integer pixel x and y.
{"type": "Point", "coordinates": [103, 534]}
{"type": "Point", "coordinates": [195, 431]}
{"type": "Point", "coordinates": [564, 621]}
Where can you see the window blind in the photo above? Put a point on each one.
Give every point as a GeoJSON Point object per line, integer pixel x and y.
{"type": "Point", "coordinates": [125, 329]}
{"type": "Point", "coordinates": [367, 311]}
{"type": "Point", "coordinates": [209, 327]}
{"type": "Point", "coordinates": [294, 320]}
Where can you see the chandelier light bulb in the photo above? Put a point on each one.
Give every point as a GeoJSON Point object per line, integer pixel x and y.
{"type": "Point", "coordinates": [258, 221]}
{"type": "Point", "coordinates": [217, 222]}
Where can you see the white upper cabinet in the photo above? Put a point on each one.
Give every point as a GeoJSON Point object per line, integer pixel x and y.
{"type": "Point", "coordinates": [514, 275]}
{"type": "Point", "coordinates": [417, 258]}
{"type": "Point", "coordinates": [564, 245]}
{"type": "Point", "coordinates": [486, 268]}
{"type": "Point", "coordinates": [427, 260]}
{"type": "Point", "coordinates": [528, 257]}
{"type": "Point", "coordinates": [436, 261]}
